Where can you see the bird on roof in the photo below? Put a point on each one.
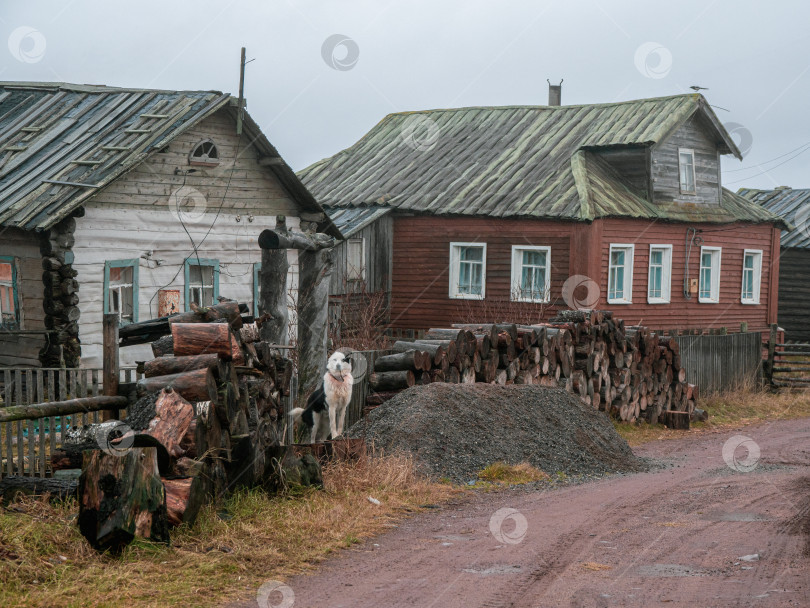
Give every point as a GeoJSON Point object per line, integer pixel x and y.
{"type": "Point", "coordinates": [696, 88]}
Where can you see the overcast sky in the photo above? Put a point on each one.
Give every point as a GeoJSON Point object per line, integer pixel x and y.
{"type": "Point", "coordinates": [314, 92]}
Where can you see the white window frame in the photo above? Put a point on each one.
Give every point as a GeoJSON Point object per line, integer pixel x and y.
{"type": "Point", "coordinates": [666, 275]}
{"type": "Point", "coordinates": [517, 273]}
{"type": "Point", "coordinates": [455, 261]}
{"type": "Point", "coordinates": [757, 283]}
{"type": "Point", "coordinates": [361, 275]}
{"type": "Point", "coordinates": [691, 153]}
{"type": "Point", "coordinates": [628, 274]}
{"type": "Point", "coordinates": [714, 287]}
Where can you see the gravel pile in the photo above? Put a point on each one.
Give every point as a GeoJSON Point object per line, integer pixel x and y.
{"type": "Point", "coordinates": [455, 430]}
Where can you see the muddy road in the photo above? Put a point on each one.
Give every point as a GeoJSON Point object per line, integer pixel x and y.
{"type": "Point", "coordinates": [697, 532]}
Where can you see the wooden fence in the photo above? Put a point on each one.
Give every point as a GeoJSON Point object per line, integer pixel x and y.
{"type": "Point", "coordinates": [787, 364]}
{"type": "Point", "coordinates": [26, 445]}
{"type": "Point", "coordinates": [717, 363]}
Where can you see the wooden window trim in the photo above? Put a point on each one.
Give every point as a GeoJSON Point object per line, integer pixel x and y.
{"type": "Point", "coordinates": [199, 262]}
{"type": "Point", "coordinates": [197, 162]}
{"type": "Point", "coordinates": [666, 275]}
{"type": "Point", "coordinates": [455, 261]}
{"type": "Point", "coordinates": [628, 274]}
{"type": "Point", "coordinates": [517, 273]}
{"type": "Point", "coordinates": [135, 265]}
{"type": "Point", "coordinates": [714, 297]}
{"type": "Point", "coordinates": [15, 289]}
{"type": "Point", "coordinates": [691, 153]}
{"type": "Point", "coordinates": [756, 300]}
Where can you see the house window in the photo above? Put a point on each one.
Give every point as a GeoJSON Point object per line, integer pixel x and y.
{"type": "Point", "coordinates": [202, 282]}
{"type": "Point", "coordinates": [620, 274]}
{"type": "Point", "coordinates": [204, 154]}
{"type": "Point", "coordinates": [709, 290]}
{"type": "Point", "coordinates": [660, 276]}
{"type": "Point", "coordinates": [530, 273]}
{"type": "Point", "coordinates": [686, 164]}
{"type": "Point", "coordinates": [355, 268]}
{"type": "Point", "coordinates": [468, 267]}
{"type": "Point", "coordinates": [257, 268]}
{"type": "Point", "coordinates": [751, 276]}
{"type": "Point", "coordinates": [9, 315]}
{"type": "Point", "coordinates": [121, 289]}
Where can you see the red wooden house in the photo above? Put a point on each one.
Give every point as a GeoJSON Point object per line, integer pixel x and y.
{"type": "Point", "coordinates": [498, 211]}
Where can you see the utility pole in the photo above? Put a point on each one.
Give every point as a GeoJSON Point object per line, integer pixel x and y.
{"type": "Point", "coordinates": [241, 93]}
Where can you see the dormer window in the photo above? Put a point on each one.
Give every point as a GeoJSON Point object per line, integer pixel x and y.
{"type": "Point", "coordinates": [686, 165]}
{"type": "Point", "coordinates": [204, 154]}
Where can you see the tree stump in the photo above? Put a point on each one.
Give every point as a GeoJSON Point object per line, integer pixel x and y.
{"type": "Point", "coordinates": [121, 497]}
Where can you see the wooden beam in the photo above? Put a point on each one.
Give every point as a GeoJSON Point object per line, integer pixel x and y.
{"type": "Point", "coordinates": [110, 365]}
{"type": "Point", "coordinates": [61, 408]}
{"type": "Point", "coordinates": [276, 239]}
{"type": "Point", "coordinates": [273, 291]}
{"type": "Point", "coordinates": [271, 161]}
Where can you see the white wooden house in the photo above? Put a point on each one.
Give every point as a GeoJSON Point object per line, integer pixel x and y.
{"type": "Point", "coordinates": [131, 201]}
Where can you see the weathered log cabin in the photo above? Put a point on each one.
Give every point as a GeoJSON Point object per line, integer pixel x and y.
{"type": "Point", "coordinates": [133, 201]}
{"type": "Point", "coordinates": [498, 210]}
{"type": "Point", "coordinates": [793, 205]}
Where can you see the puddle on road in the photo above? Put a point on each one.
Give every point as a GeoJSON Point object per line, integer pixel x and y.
{"type": "Point", "coordinates": [738, 516]}
{"type": "Point", "coordinates": [670, 570]}
{"type": "Point", "coordinates": [494, 570]}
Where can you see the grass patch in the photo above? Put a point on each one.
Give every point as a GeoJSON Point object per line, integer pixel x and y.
{"type": "Point", "coordinates": [734, 408]}
{"type": "Point", "coordinates": [500, 473]}
{"type": "Point", "coordinates": [44, 561]}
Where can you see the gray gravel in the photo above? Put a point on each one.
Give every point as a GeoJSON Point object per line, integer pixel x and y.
{"type": "Point", "coordinates": [455, 430]}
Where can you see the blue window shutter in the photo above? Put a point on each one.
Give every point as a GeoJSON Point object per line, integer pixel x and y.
{"type": "Point", "coordinates": [215, 264]}
{"type": "Point", "coordinates": [15, 287]}
{"type": "Point", "coordinates": [257, 267]}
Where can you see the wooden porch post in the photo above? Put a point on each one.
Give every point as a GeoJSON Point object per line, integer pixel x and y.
{"type": "Point", "coordinates": [273, 291]}
{"type": "Point", "coordinates": [110, 365]}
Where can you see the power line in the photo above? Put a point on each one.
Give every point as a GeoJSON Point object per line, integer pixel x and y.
{"type": "Point", "coordinates": [769, 169]}
{"type": "Point", "coordinates": [767, 161]}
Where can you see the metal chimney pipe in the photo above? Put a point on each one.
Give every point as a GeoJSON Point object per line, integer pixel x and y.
{"type": "Point", "coordinates": [554, 93]}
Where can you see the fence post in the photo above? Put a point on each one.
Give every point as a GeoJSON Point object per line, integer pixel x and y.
{"type": "Point", "coordinates": [110, 371]}
{"type": "Point", "coordinates": [771, 353]}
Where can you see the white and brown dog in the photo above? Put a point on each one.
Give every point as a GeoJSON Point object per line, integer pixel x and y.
{"type": "Point", "coordinates": [326, 407]}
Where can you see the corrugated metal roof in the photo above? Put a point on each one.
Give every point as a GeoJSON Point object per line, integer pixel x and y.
{"type": "Point", "coordinates": [515, 161]}
{"type": "Point", "coordinates": [793, 205]}
{"type": "Point", "coordinates": [86, 136]}
{"type": "Point", "coordinates": [353, 219]}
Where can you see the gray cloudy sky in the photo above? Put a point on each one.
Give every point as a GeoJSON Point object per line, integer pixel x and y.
{"type": "Point", "coordinates": [411, 55]}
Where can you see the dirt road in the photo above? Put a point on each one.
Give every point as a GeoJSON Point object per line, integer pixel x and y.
{"type": "Point", "coordinates": [696, 533]}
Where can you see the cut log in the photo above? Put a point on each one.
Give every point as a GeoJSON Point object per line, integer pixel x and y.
{"type": "Point", "coordinates": [163, 346]}
{"type": "Point", "coordinates": [173, 417]}
{"type": "Point", "coordinates": [391, 381]}
{"type": "Point", "coordinates": [56, 489]}
{"type": "Point", "coordinates": [184, 497]}
{"type": "Point", "coordinates": [409, 359]}
{"type": "Point", "coordinates": [195, 385]}
{"type": "Point", "coordinates": [167, 365]}
{"type": "Point", "coordinates": [676, 420]}
{"type": "Point", "coordinates": [121, 497]}
{"type": "Point", "coordinates": [202, 338]}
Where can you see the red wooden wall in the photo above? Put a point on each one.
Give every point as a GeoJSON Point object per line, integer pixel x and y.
{"type": "Point", "coordinates": [421, 252]}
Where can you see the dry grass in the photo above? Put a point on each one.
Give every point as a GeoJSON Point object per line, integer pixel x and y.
{"type": "Point", "coordinates": [595, 567]}
{"type": "Point", "coordinates": [735, 408]}
{"type": "Point", "coordinates": [44, 561]}
{"type": "Point", "coordinates": [501, 473]}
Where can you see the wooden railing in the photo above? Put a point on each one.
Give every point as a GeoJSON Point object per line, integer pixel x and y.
{"type": "Point", "coordinates": [787, 364]}
{"type": "Point", "coordinates": [26, 445]}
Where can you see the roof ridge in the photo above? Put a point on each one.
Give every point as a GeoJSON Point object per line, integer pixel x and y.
{"type": "Point", "coordinates": [95, 88]}
{"type": "Point", "coordinates": [695, 96]}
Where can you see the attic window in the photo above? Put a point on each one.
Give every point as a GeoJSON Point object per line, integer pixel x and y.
{"type": "Point", "coordinates": [204, 154]}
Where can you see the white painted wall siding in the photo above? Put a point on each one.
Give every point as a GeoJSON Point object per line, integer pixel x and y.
{"type": "Point", "coordinates": [118, 232]}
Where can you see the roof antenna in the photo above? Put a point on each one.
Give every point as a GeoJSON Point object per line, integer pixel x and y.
{"type": "Point", "coordinates": [241, 101]}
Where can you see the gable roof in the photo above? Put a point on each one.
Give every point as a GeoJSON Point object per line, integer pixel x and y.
{"type": "Point", "coordinates": [793, 205]}
{"type": "Point", "coordinates": [86, 136]}
{"type": "Point", "coordinates": [517, 161]}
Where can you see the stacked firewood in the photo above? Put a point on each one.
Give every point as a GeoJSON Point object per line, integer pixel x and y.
{"type": "Point", "coordinates": [210, 402]}
{"type": "Point", "coordinates": [628, 372]}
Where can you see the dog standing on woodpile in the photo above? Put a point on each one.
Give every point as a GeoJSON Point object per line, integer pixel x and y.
{"type": "Point", "coordinates": [326, 407]}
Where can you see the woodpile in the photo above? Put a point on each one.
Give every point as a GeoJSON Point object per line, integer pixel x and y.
{"type": "Point", "coordinates": [628, 372]}
{"type": "Point", "coordinates": [211, 407]}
